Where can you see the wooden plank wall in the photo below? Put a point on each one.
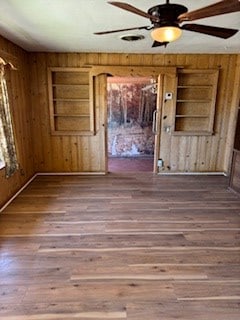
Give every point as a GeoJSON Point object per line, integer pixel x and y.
{"type": "Point", "coordinates": [74, 153]}
{"type": "Point", "coordinates": [19, 98]}
{"type": "Point", "coordinates": [38, 151]}
{"type": "Point", "coordinates": [235, 105]}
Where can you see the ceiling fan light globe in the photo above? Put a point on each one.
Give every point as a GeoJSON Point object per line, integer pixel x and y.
{"type": "Point", "coordinates": [166, 34]}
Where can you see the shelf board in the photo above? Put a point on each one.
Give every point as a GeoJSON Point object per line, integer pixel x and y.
{"type": "Point", "coordinates": [194, 101]}
{"type": "Point", "coordinates": [72, 115]}
{"type": "Point", "coordinates": [70, 85]}
{"type": "Point", "coordinates": [194, 87]}
{"type": "Point", "coordinates": [70, 100]}
{"type": "Point", "coordinates": [72, 133]}
{"type": "Point", "coordinates": [192, 116]}
{"type": "Point", "coordinates": [192, 133]}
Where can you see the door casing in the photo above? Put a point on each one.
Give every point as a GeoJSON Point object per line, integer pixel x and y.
{"type": "Point", "coordinates": [163, 74]}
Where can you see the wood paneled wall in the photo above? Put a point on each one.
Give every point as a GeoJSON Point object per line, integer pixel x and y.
{"type": "Point", "coordinates": [83, 154]}
{"type": "Point", "coordinates": [235, 105]}
{"type": "Point", "coordinates": [19, 98]}
{"type": "Point", "coordinates": [39, 151]}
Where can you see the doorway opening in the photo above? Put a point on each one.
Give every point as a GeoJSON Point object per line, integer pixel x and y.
{"type": "Point", "coordinates": [131, 104]}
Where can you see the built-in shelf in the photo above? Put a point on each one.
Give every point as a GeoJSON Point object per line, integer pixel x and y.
{"type": "Point", "coordinates": [195, 102]}
{"type": "Point", "coordinates": [234, 181]}
{"type": "Point", "coordinates": [71, 101]}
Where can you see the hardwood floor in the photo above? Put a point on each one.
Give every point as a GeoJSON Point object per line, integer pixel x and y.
{"type": "Point", "coordinates": [122, 246]}
{"type": "Point", "coordinates": [130, 164]}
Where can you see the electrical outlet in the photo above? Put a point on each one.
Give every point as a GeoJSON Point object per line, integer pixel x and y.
{"type": "Point", "coordinates": [160, 163]}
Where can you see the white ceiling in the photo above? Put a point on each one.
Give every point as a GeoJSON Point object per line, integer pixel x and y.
{"type": "Point", "coordinates": [68, 26]}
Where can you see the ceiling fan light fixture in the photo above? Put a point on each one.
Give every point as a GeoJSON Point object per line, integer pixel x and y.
{"type": "Point", "coordinates": [166, 34]}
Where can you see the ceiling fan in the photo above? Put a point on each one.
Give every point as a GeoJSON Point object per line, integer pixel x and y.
{"type": "Point", "coordinates": [166, 20]}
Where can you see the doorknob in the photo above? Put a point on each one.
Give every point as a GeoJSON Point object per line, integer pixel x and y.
{"type": "Point", "coordinates": [154, 128]}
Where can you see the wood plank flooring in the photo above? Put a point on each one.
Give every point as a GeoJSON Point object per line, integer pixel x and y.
{"type": "Point", "coordinates": [123, 246]}
{"type": "Point", "coordinates": [131, 164]}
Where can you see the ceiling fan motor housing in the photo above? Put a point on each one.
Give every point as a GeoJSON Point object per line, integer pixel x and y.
{"type": "Point", "coordinates": [167, 13]}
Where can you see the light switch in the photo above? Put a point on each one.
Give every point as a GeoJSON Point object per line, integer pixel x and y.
{"type": "Point", "coordinates": [167, 129]}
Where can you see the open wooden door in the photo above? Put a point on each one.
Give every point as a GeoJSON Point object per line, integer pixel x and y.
{"type": "Point", "coordinates": [163, 120]}
{"type": "Point", "coordinates": [100, 101]}
{"type": "Point", "coordinates": [157, 122]}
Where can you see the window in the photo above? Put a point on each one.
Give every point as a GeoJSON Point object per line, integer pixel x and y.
{"type": "Point", "coordinates": [8, 156]}
{"type": "Point", "coordinates": [2, 162]}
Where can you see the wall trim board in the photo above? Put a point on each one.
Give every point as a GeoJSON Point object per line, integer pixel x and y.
{"type": "Point", "coordinates": [193, 174]}
{"type": "Point", "coordinates": [71, 173]}
{"type": "Point", "coordinates": [132, 70]}
{"type": "Point", "coordinates": [49, 174]}
{"type": "Point", "coordinates": [98, 174]}
{"type": "Point", "coordinates": [17, 193]}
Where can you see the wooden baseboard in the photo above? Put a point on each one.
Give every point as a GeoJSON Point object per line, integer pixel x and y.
{"type": "Point", "coordinates": [194, 173]}
{"type": "Point", "coordinates": [71, 173]}
{"type": "Point", "coordinates": [48, 174]}
{"type": "Point", "coordinates": [17, 193]}
{"type": "Point", "coordinates": [95, 174]}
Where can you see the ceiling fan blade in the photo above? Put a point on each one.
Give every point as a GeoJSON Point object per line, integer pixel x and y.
{"type": "Point", "coordinates": [121, 30]}
{"type": "Point", "coordinates": [128, 7]}
{"type": "Point", "coordinates": [224, 33]}
{"type": "Point", "coordinates": [159, 44]}
{"type": "Point", "coordinates": [222, 7]}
